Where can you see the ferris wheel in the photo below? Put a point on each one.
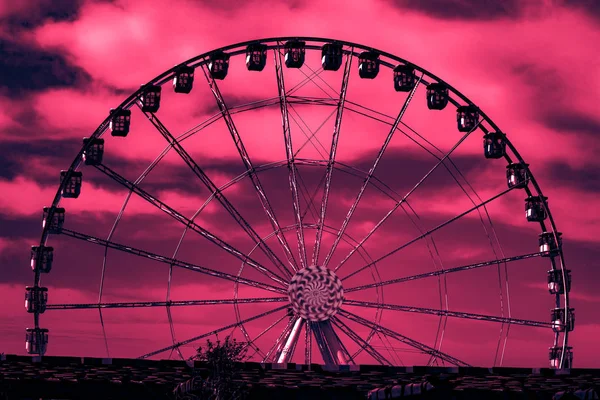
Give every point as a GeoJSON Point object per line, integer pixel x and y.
{"type": "Point", "coordinates": [303, 240]}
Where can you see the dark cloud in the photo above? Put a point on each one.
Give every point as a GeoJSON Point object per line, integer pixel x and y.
{"type": "Point", "coordinates": [590, 7]}
{"type": "Point", "coordinates": [31, 17]}
{"type": "Point", "coordinates": [18, 156]}
{"type": "Point", "coordinates": [584, 179]}
{"type": "Point", "coordinates": [574, 122]}
{"type": "Point", "coordinates": [463, 9]}
{"type": "Point", "coordinates": [25, 69]}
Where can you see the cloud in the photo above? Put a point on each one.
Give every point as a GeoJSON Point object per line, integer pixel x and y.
{"type": "Point", "coordinates": [469, 10]}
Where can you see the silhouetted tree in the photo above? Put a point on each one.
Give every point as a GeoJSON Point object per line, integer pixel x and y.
{"type": "Point", "coordinates": [221, 358]}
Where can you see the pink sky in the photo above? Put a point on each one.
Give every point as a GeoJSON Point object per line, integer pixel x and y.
{"type": "Point", "coordinates": [530, 65]}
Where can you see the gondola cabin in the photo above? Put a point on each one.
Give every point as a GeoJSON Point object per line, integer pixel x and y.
{"type": "Point", "coordinates": [555, 355]}
{"type": "Point", "coordinates": [467, 118]}
{"type": "Point", "coordinates": [94, 152]}
{"type": "Point", "coordinates": [41, 258]}
{"type": "Point", "coordinates": [36, 299]}
{"type": "Point", "coordinates": [517, 175]}
{"type": "Point", "coordinates": [55, 222]}
{"type": "Point", "coordinates": [71, 181]}
{"type": "Point", "coordinates": [36, 340]}
{"type": "Point", "coordinates": [256, 57]}
{"type": "Point", "coordinates": [549, 246]}
{"type": "Point", "coordinates": [494, 145]}
{"type": "Point", "coordinates": [294, 51]}
{"type": "Point", "coordinates": [404, 78]}
{"type": "Point", "coordinates": [119, 122]}
{"type": "Point", "coordinates": [218, 66]}
{"type": "Point", "coordinates": [368, 65]}
{"type": "Point", "coordinates": [556, 284]}
{"type": "Point", "coordinates": [437, 96]}
{"type": "Point", "coordinates": [535, 210]}
{"type": "Point", "coordinates": [150, 98]}
{"type": "Point", "coordinates": [559, 322]}
{"type": "Point", "coordinates": [183, 80]}
{"type": "Point", "coordinates": [331, 56]}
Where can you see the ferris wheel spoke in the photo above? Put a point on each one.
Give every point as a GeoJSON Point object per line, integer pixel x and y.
{"type": "Point", "coordinates": [448, 313]}
{"type": "Point", "coordinates": [187, 222]}
{"type": "Point", "coordinates": [422, 236]}
{"type": "Point", "coordinates": [363, 344]}
{"type": "Point", "coordinates": [249, 167]}
{"type": "Point", "coordinates": [280, 340]}
{"type": "Point", "coordinates": [423, 348]}
{"type": "Point", "coordinates": [289, 152]}
{"type": "Point", "coordinates": [215, 191]}
{"type": "Point", "coordinates": [251, 342]}
{"type": "Point", "coordinates": [332, 349]}
{"type": "Point", "coordinates": [332, 153]}
{"type": "Point", "coordinates": [367, 179]}
{"type": "Point", "coordinates": [171, 303]}
{"type": "Point", "coordinates": [442, 272]}
{"type": "Point", "coordinates": [171, 261]}
{"type": "Point", "coordinates": [224, 328]}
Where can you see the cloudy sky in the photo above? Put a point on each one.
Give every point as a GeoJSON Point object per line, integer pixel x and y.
{"type": "Point", "coordinates": [530, 65]}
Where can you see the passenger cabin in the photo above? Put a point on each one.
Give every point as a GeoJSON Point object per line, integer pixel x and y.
{"type": "Point", "coordinates": [368, 65]}
{"type": "Point", "coordinates": [36, 340]}
{"type": "Point", "coordinates": [331, 56]}
{"type": "Point", "coordinates": [41, 258]}
{"type": "Point", "coordinates": [150, 98]}
{"type": "Point", "coordinates": [517, 175]}
{"type": "Point", "coordinates": [72, 183]}
{"type": "Point", "coordinates": [256, 57]}
{"type": "Point", "coordinates": [183, 80]}
{"type": "Point", "coordinates": [94, 152]}
{"type": "Point", "coordinates": [119, 122]}
{"type": "Point", "coordinates": [437, 96]}
{"type": "Point", "coordinates": [559, 322]}
{"type": "Point", "coordinates": [556, 353]}
{"type": "Point", "coordinates": [294, 53]}
{"type": "Point", "coordinates": [535, 210]}
{"type": "Point", "coordinates": [404, 78]}
{"type": "Point", "coordinates": [549, 246]}
{"type": "Point", "coordinates": [36, 299]}
{"type": "Point", "coordinates": [494, 145]}
{"type": "Point", "coordinates": [218, 66]}
{"type": "Point", "coordinates": [467, 118]}
{"type": "Point", "coordinates": [556, 284]}
{"type": "Point", "coordinates": [56, 221]}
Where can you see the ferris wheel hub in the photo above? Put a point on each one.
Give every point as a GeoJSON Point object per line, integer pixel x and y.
{"type": "Point", "coordinates": [315, 293]}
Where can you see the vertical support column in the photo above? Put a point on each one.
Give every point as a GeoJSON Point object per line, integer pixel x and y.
{"type": "Point", "coordinates": [331, 348]}
{"type": "Point", "coordinates": [287, 351]}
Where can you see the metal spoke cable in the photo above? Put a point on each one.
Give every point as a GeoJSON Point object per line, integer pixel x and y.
{"type": "Point", "coordinates": [456, 314]}
{"type": "Point", "coordinates": [446, 271]}
{"type": "Point", "coordinates": [172, 303]}
{"type": "Point", "coordinates": [332, 154]}
{"type": "Point", "coordinates": [168, 260]}
{"type": "Point", "coordinates": [371, 172]}
{"type": "Point", "coordinates": [289, 152]}
{"type": "Point", "coordinates": [404, 339]}
{"type": "Point", "coordinates": [196, 338]}
{"type": "Point", "coordinates": [197, 228]}
{"type": "Point", "coordinates": [429, 232]}
{"type": "Point", "coordinates": [237, 139]}
{"type": "Point", "coordinates": [214, 190]}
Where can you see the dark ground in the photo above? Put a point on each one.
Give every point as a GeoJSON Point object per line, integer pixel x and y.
{"type": "Point", "coordinates": [23, 377]}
